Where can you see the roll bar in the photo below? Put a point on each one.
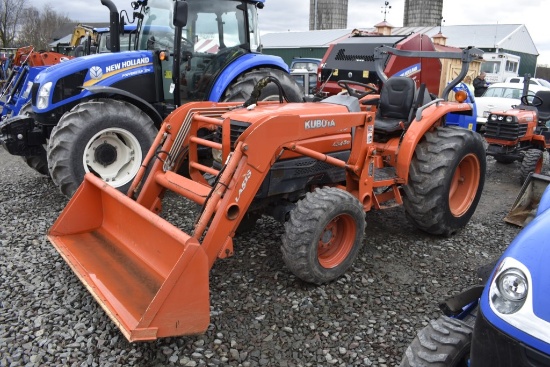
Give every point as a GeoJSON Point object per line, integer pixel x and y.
{"type": "Point", "coordinates": [467, 55]}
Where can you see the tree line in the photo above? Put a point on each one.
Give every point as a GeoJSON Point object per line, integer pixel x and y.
{"type": "Point", "coordinates": [23, 25]}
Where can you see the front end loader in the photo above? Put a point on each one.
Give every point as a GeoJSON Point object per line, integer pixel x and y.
{"type": "Point", "coordinates": [316, 166]}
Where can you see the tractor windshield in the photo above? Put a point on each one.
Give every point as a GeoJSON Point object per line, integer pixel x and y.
{"type": "Point", "coordinates": [211, 27]}
{"type": "Point", "coordinates": [217, 33]}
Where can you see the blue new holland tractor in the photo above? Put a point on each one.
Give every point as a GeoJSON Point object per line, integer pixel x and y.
{"type": "Point", "coordinates": [506, 322]}
{"type": "Point", "coordinates": [100, 113]}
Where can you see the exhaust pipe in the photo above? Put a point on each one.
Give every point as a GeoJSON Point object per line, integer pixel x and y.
{"type": "Point", "coordinates": [114, 25]}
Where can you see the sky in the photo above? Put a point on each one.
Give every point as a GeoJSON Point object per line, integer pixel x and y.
{"type": "Point", "coordinates": [293, 15]}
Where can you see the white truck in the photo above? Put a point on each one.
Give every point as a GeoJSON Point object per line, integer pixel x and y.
{"type": "Point", "coordinates": [499, 66]}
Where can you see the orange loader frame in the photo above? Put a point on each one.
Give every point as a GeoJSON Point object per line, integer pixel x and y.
{"type": "Point", "coordinates": [150, 277]}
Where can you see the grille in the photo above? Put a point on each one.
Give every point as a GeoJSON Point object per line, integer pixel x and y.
{"type": "Point", "coordinates": [34, 92]}
{"type": "Point", "coordinates": [505, 130]}
{"type": "Point", "coordinates": [68, 86]}
{"type": "Point", "coordinates": [341, 56]}
{"type": "Point", "coordinates": [236, 129]}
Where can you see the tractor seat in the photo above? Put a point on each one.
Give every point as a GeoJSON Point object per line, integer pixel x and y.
{"type": "Point", "coordinates": [543, 111]}
{"type": "Point", "coordinates": [396, 102]}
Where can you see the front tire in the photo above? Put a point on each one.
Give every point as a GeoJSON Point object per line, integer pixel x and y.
{"type": "Point", "coordinates": [242, 88]}
{"type": "Point", "coordinates": [445, 342]}
{"type": "Point", "coordinates": [532, 162]}
{"type": "Point", "coordinates": [324, 235]}
{"type": "Point", "coordinates": [107, 137]}
{"type": "Point", "coordinates": [39, 162]}
{"type": "Point", "coordinates": [446, 179]}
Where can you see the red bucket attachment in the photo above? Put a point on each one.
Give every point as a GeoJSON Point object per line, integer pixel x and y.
{"type": "Point", "coordinates": [150, 277]}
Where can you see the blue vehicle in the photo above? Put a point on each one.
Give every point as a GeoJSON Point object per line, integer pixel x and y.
{"type": "Point", "coordinates": [506, 323]}
{"type": "Point", "coordinates": [101, 113]}
{"type": "Point", "coordinates": [465, 121]}
{"type": "Point", "coordinates": [15, 97]}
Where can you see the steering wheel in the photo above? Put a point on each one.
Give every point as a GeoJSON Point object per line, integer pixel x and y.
{"type": "Point", "coordinates": [185, 43]}
{"type": "Point", "coordinates": [537, 101]}
{"type": "Point", "coordinates": [356, 92]}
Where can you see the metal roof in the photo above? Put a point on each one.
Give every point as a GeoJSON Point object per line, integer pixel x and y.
{"type": "Point", "coordinates": [514, 37]}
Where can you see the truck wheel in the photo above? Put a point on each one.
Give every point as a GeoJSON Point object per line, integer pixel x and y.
{"type": "Point", "coordinates": [446, 178]}
{"type": "Point", "coordinates": [323, 235]}
{"type": "Point", "coordinates": [242, 88]}
{"type": "Point", "coordinates": [107, 137]}
{"type": "Point", "coordinates": [38, 163]}
{"type": "Point", "coordinates": [532, 162]}
{"type": "Point", "coordinates": [445, 342]}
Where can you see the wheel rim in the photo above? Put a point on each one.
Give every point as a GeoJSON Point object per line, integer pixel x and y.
{"type": "Point", "coordinates": [114, 155]}
{"type": "Point", "coordinates": [336, 241]}
{"type": "Point", "coordinates": [464, 185]}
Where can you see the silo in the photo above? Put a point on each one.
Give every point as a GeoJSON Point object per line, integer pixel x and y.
{"type": "Point", "coordinates": [422, 13]}
{"type": "Point", "coordinates": [328, 14]}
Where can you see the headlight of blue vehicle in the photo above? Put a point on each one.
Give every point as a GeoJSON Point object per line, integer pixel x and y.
{"type": "Point", "coordinates": [43, 96]}
{"type": "Point", "coordinates": [509, 290]}
{"type": "Point", "coordinates": [511, 298]}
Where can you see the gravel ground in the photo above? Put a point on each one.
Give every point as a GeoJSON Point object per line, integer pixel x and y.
{"type": "Point", "coordinates": [261, 315]}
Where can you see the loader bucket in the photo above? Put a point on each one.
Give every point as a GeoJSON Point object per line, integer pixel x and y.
{"type": "Point", "coordinates": [150, 277]}
{"type": "Point", "coordinates": [527, 201]}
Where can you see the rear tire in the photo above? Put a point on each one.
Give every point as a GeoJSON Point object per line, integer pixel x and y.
{"type": "Point", "coordinates": [446, 179]}
{"type": "Point", "coordinates": [242, 88]}
{"type": "Point", "coordinates": [107, 137]}
{"type": "Point", "coordinates": [532, 162]}
{"type": "Point", "coordinates": [323, 235]}
{"type": "Point", "coordinates": [445, 342]}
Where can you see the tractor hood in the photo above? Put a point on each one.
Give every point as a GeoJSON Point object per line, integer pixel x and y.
{"type": "Point", "coordinates": [62, 83]}
{"type": "Point", "coordinates": [101, 64]}
{"type": "Point", "coordinates": [529, 252]}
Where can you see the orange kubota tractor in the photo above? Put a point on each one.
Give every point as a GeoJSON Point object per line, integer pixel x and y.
{"type": "Point", "coordinates": [521, 133]}
{"type": "Point", "coordinates": [317, 166]}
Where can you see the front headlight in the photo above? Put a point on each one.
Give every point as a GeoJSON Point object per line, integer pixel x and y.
{"type": "Point", "coordinates": [509, 119]}
{"type": "Point", "coordinates": [509, 291]}
{"type": "Point", "coordinates": [42, 101]}
{"type": "Point", "coordinates": [493, 117]}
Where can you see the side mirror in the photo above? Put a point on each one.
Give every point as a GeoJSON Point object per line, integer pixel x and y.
{"type": "Point", "coordinates": [180, 14]}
